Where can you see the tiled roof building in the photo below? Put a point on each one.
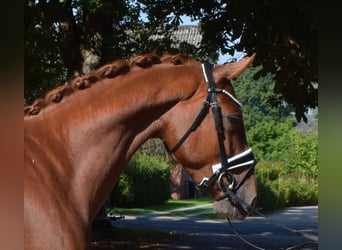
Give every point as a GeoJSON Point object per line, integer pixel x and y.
{"type": "Point", "coordinates": [184, 33]}
{"type": "Point", "coordinates": [189, 34]}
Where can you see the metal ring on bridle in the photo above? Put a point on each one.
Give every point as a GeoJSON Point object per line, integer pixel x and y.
{"type": "Point", "coordinates": [230, 178]}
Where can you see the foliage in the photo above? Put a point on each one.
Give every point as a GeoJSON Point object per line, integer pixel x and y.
{"type": "Point", "coordinates": [288, 168]}
{"type": "Point", "coordinates": [260, 103]}
{"type": "Point", "coordinates": [284, 34]}
{"type": "Point", "coordinates": [68, 37]}
{"type": "Point", "coordinates": [72, 37]}
{"type": "Point", "coordinates": [155, 147]}
{"type": "Point", "coordinates": [264, 138]}
{"type": "Point", "coordinates": [280, 142]}
{"type": "Point", "coordinates": [144, 182]}
{"type": "Point", "coordinates": [279, 186]}
{"type": "Point", "coordinates": [299, 152]}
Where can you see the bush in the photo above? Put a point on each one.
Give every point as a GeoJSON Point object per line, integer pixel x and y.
{"type": "Point", "coordinates": [272, 141]}
{"type": "Point", "coordinates": [267, 174]}
{"type": "Point", "coordinates": [144, 182]}
{"type": "Point", "coordinates": [288, 168]}
{"type": "Point", "coordinates": [277, 188]}
{"type": "Point", "coordinates": [264, 139]}
{"type": "Point", "coordinates": [298, 192]}
{"type": "Point", "coordinates": [301, 154]}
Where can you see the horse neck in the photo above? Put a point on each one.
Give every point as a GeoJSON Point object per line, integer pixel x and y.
{"type": "Point", "coordinates": [107, 123]}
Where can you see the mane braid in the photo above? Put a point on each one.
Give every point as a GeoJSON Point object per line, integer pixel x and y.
{"type": "Point", "coordinates": [111, 70]}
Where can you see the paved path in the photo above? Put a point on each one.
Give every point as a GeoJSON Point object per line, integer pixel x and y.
{"type": "Point", "coordinates": [200, 233]}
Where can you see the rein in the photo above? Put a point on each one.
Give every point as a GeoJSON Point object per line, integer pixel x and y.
{"type": "Point", "coordinates": [313, 239]}
{"type": "Point", "coordinates": [223, 169]}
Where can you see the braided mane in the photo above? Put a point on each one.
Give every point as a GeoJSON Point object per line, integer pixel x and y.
{"type": "Point", "coordinates": [111, 70]}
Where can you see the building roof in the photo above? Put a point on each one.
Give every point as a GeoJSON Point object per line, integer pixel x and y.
{"type": "Point", "coordinates": [189, 34]}
{"type": "Point", "coordinates": [184, 33]}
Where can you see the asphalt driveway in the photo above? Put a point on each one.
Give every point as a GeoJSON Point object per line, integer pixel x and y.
{"type": "Point", "coordinates": [276, 231]}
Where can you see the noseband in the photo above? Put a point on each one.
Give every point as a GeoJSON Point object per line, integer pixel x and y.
{"type": "Point", "coordinates": [221, 171]}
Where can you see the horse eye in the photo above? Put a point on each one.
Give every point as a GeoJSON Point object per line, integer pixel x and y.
{"type": "Point", "coordinates": [233, 119]}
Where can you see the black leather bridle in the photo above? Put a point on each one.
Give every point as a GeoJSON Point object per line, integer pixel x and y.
{"type": "Point", "coordinates": [221, 171]}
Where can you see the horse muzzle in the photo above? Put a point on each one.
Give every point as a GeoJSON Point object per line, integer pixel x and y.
{"type": "Point", "coordinates": [235, 197]}
{"type": "Point", "coordinates": [235, 206]}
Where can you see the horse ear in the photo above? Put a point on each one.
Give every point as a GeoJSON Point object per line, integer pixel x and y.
{"type": "Point", "coordinates": [233, 70]}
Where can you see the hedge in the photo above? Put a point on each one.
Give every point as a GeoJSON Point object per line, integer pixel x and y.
{"type": "Point", "coordinates": [144, 182]}
{"type": "Point", "coordinates": [277, 188]}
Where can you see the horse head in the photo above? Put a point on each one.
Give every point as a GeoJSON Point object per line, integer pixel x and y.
{"type": "Point", "coordinates": [206, 134]}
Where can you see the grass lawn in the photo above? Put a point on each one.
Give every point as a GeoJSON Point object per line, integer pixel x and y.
{"type": "Point", "coordinates": [169, 205]}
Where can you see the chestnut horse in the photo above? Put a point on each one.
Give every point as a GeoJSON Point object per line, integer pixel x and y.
{"type": "Point", "coordinates": [80, 136]}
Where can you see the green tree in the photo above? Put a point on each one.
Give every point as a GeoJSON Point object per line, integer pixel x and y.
{"type": "Point", "coordinates": [264, 139]}
{"type": "Point", "coordinates": [65, 37]}
{"type": "Point", "coordinates": [299, 152]}
{"type": "Point", "coordinates": [259, 102]}
{"type": "Point", "coordinates": [283, 33]}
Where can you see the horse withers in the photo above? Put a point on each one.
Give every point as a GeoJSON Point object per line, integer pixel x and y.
{"type": "Point", "coordinates": [79, 137]}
